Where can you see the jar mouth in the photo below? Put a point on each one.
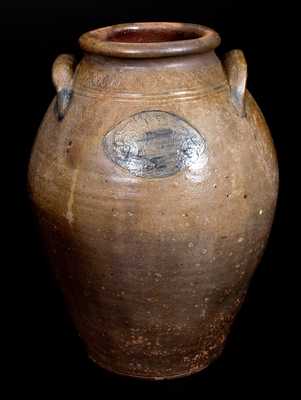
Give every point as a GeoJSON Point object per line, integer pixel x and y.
{"type": "Point", "coordinates": [150, 40]}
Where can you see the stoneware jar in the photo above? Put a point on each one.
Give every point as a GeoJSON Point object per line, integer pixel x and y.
{"type": "Point", "coordinates": [154, 179]}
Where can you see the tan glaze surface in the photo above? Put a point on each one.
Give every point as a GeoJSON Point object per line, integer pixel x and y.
{"type": "Point", "coordinates": [154, 268]}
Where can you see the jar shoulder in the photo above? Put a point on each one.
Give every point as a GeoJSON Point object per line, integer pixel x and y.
{"type": "Point", "coordinates": [240, 149]}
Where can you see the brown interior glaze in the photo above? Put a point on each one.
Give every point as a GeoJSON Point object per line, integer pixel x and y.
{"type": "Point", "coordinates": [150, 36]}
{"type": "Point", "coordinates": [150, 40]}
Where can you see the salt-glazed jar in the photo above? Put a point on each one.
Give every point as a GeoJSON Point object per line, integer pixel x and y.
{"type": "Point", "coordinates": [154, 179]}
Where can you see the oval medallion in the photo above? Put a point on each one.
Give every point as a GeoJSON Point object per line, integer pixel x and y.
{"type": "Point", "coordinates": [154, 144]}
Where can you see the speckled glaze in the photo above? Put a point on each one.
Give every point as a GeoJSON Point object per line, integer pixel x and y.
{"type": "Point", "coordinates": [154, 257]}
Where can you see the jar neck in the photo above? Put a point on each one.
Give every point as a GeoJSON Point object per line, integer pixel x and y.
{"type": "Point", "coordinates": [193, 72]}
{"type": "Point", "coordinates": [182, 62]}
{"type": "Point", "coordinates": [150, 40]}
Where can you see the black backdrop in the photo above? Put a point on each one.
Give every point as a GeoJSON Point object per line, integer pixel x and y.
{"type": "Point", "coordinates": [45, 353]}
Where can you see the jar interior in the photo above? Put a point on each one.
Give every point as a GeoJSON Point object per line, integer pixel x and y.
{"type": "Point", "coordinates": [150, 40]}
{"type": "Point", "coordinates": [150, 35]}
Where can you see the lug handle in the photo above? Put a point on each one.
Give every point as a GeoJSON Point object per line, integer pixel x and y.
{"type": "Point", "coordinates": [62, 77]}
{"type": "Point", "coordinates": [236, 69]}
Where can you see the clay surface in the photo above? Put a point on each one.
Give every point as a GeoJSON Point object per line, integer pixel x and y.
{"type": "Point", "coordinates": [155, 182]}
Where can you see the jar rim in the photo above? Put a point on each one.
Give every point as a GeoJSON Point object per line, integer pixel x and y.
{"type": "Point", "coordinates": [150, 40]}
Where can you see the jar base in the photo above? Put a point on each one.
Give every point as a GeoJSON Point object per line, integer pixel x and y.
{"type": "Point", "coordinates": [152, 377]}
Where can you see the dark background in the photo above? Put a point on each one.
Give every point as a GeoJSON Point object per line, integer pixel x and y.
{"type": "Point", "coordinates": [45, 353]}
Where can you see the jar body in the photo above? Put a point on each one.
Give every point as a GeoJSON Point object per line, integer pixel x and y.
{"type": "Point", "coordinates": [154, 262]}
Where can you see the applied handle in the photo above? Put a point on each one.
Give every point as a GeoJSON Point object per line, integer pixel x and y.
{"type": "Point", "coordinates": [62, 77]}
{"type": "Point", "coordinates": [236, 70]}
